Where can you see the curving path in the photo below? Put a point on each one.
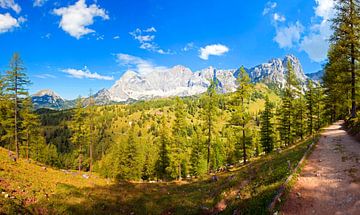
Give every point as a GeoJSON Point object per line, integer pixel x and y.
{"type": "Point", "coordinates": [330, 180]}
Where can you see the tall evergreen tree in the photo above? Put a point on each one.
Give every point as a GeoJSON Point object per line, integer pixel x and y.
{"type": "Point", "coordinates": [163, 161]}
{"type": "Point", "coordinates": [346, 27]}
{"type": "Point", "coordinates": [77, 129]}
{"type": "Point", "coordinates": [310, 103]}
{"type": "Point", "coordinates": [30, 125]}
{"type": "Point", "coordinates": [179, 134]}
{"type": "Point", "coordinates": [266, 129]}
{"type": "Point", "coordinates": [209, 115]}
{"type": "Point", "coordinates": [286, 112]}
{"type": "Point", "coordinates": [240, 116]}
{"type": "Point", "coordinates": [16, 87]}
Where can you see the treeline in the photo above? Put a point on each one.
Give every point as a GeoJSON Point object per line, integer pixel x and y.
{"type": "Point", "coordinates": [342, 69]}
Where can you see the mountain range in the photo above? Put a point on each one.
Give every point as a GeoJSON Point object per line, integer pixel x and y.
{"type": "Point", "coordinates": [180, 81]}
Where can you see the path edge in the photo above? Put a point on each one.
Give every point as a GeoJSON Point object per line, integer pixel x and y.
{"type": "Point", "coordinates": [280, 192]}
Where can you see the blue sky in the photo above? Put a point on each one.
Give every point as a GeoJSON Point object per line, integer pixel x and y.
{"type": "Point", "coordinates": [71, 46]}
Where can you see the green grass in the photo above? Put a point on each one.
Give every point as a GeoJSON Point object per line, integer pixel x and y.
{"type": "Point", "coordinates": [248, 188]}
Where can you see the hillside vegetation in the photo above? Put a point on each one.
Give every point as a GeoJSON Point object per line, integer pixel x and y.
{"type": "Point", "coordinates": [29, 187]}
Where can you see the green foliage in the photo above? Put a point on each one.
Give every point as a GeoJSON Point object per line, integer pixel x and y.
{"type": "Point", "coordinates": [267, 129]}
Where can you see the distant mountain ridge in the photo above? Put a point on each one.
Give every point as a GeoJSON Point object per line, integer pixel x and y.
{"type": "Point", "coordinates": [181, 81]}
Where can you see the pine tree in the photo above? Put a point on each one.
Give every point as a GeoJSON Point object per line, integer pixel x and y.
{"type": "Point", "coordinates": [77, 129]}
{"type": "Point", "coordinates": [91, 127]}
{"type": "Point", "coordinates": [310, 105]}
{"type": "Point", "coordinates": [197, 158]}
{"type": "Point", "coordinates": [286, 112]}
{"type": "Point", "coordinates": [209, 115]}
{"type": "Point", "coordinates": [179, 134]}
{"type": "Point", "coordinates": [336, 82]}
{"type": "Point", "coordinates": [163, 161]}
{"type": "Point", "coordinates": [30, 125]}
{"type": "Point", "coordinates": [299, 117]}
{"type": "Point", "coordinates": [16, 87]}
{"type": "Point", "coordinates": [346, 27]}
{"type": "Point", "coordinates": [266, 129]}
{"type": "Point", "coordinates": [132, 169]}
{"type": "Point", "coordinates": [240, 116]}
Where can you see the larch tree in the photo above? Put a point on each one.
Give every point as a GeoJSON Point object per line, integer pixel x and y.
{"type": "Point", "coordinates": [240, 116]}
{"type": "Point", "coordinates": [16, 87]}
{"type": "Point", "coordinates": [77, 129]}
{"type": "Point", "coordinates": [30, 125]}
{"type": "Point", "coordinates": [266, 127]}
{"type": "Point", "coordinates": [210, 112]}
{"type": "Point", "coordinates": [346, 36]}
{"type": "Point", "coordinates": [179, 135]}
{"type": "Point", "coordinates": [163, 140]}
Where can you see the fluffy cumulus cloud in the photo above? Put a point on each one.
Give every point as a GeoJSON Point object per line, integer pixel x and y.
{"type": "Point", "coordinates": [316, 43]}
{"type": "Point", "coordinates": [146, 39]}
{"type": "Point", "coordinates": [288, 36]}
{"type": "Point", "coordinates": [8, 23]}
{"type": "Point", "coordinates": [10, 4]}
{"type": "Point", "coordinates": [138, 64]}
{"type": "Point", "coordinates": [215, 49]}
{"type": "Point", "coordinates": [85, 73]}
{"type": "Point", "coordinates": [75, 18]}
{"type": "Point", "coordinates": [269, 7]}
{"type": "Point", "coordinates": [39, 3]}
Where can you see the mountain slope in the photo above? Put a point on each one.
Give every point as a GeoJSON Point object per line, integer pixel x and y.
{"type": "Point", "coordinates": [180, 81]}
{"type": "Point", "coordinates": [48, 99]}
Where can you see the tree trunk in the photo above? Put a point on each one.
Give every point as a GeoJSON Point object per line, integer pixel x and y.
{"type": "Point", "coordinates": [80, 159]}
{"type": "Point", "coordinates": [244, 143]}
{"type": "Point", "coordinates": [15, 116]}
{"type": "Point", "coordinates": [27, 145]}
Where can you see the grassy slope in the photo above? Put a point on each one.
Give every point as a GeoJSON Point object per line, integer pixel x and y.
{"type": "Point", "coordinates": [249, 188]}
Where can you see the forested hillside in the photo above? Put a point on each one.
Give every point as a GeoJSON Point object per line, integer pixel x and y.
{"type": "Point", "coordinates": [163, 139]}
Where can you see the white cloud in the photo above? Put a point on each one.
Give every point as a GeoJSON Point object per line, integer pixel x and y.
{"type": "Point", "coordinates": [39, 3]}
{"type": "Point", "coordinates": [8, 23]}
{"type": "Point", "coordinates": [325, 9]}
{"type": "Point", "coordinates": [288, 36]}
{"type": "Point", "coordinates": [215, 49]}
{"type": "Point", "coordinates": [151, 29]}
{"type": "Point", "coordinates": [116, 37]}
{"type": "Point", "coordinates": [10, 4]}
{"type": "Point", "coordinates": [138, 64]}
{"type": "Point", "coordinates": [316, 43]}
{"type": "Point", "coordinates": [269, 7]}
{"type": "Point", "coordinates": [188, 47]}
{"type": "Point", "coordinates": [146, 39]}
{"type": "Point", "coordinates": [85, 73]}
{"type": "Point", "coordinates": [45, 76]}
{"type": "Point", "coordinates": [75, 18]}
{"type": "Point", "coordinates": [278, 17]}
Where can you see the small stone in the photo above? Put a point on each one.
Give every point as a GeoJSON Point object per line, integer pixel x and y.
{"type": "Point", "coordinates": [298, 194]}
{"type": "Point", "coordinates": [6, 195]}
{"type": "Point", "coordinates": [43, 168]}
{"type": "Point", "coordinates": [237, 197]}
{"type": "Point", "coordinates": [317, 174]}
{"type": "Point", "coordinates": [279, 200]}
{"type": "Point", "coordinates": [276, 213]}
{"type": "Point", "coordinates": [320, 160]}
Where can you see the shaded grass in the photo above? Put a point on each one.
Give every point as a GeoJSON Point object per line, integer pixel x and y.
{"type": "Point", "coordinates": [248, 189]}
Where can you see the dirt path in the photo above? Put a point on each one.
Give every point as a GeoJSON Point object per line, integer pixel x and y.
{"type": "Point", "coordinates": [330, 181]}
